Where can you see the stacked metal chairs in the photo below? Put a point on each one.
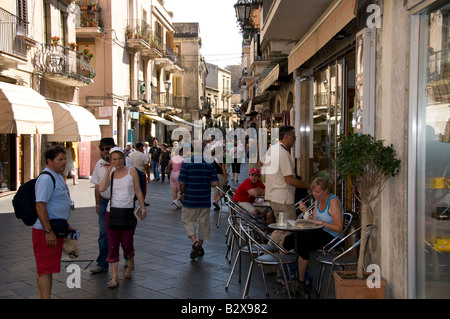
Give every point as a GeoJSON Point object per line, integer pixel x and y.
{"type": "Point", "coordinates": [235, 209]}
{"type": "Point", "coordinates": [222, 200]}
{"type": "Point", "coordinates": [343, 259]}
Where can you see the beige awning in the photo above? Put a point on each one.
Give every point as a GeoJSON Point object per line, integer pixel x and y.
{"type": "Point", "coordinates": [180, 120]}
{"type": "Point", "coordinates": [333, 20]}
{"type": "Point", "coordinates": [73, 123]}
{"type": "Point", "coordinates": [170, 125]}
{"type": "Point", "coordinates": [24, 111]}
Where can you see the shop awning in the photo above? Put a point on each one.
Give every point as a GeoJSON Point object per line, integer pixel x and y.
{"type": "Point", "coordinates": [180, 120]}
{"type": "Point", "coordinates": [170, 125]}
{"type": "Point", "coordinates": [333, 20]}
{"type": "Point", "coordinates": [23, 111]}
{"type": "Point", "coordinates": [73, 123]}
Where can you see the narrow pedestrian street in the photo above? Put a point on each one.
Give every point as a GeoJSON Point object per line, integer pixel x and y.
{"type": "Point", "coordinates": [163, 267]}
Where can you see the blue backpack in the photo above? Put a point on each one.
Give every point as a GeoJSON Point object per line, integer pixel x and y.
{"type": "Point", "coordinates": [24, 201]}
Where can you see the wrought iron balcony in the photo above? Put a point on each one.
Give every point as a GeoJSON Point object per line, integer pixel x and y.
{"type": "Point", "coordinates": [13, 32]}
{"type": "Point", "coordinates": [63, 64]}
{"type": "Point", "coordinates": [139, 37]}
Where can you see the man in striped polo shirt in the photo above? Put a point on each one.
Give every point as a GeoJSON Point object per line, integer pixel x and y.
{"type": "Point", "coordinates": [196, 178]}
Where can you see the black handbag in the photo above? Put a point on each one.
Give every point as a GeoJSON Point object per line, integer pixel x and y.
{"type": "Point", "coordinates": [60, 227]}
{"type": "Point", "coordinates": [120, 218]}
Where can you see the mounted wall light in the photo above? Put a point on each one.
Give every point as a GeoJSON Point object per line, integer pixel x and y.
{"type": "Point", "coordinates": [243, 9]}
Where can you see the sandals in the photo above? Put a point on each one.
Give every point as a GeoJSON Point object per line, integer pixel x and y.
{"type": "Point", "coordinates": [130, 268]}
{"type": "Point", "coordinates": [196, 250]}
{"type": "Point", "coordinates": [113, 283]}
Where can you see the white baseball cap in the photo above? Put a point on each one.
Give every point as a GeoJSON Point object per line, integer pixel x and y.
{"type": "Point", "coordinates": [116, 149]}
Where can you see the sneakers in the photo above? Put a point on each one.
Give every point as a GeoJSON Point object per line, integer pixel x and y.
{"type": "Point", "coordinates": [176, 203]}
{"type": "Point", "coordinates": [98, 269]}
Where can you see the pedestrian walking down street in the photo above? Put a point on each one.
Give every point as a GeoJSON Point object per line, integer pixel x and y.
{"type": "Point", "coordinates": [164, 160]}
{"type": "Point", "coordinates": [219, 164]}
{"type": "Point", "coordinates": [195, 181]}
{"type": "Point", "coordinates": [70, 166]}
{"type": "Point", "coordinates": [140, 162]}
{"type": "Point", "coordinates": [101, 202]}
{"type": "Point", "coordinates": [155, 152]}
{"type": "Point", "coordinates": [176, 162]}
{"type": "Point", "coordinates": [237, 157]}
{"type": "Point", "coordinates": [124, 185]}
{"type": "Point", "coordinates": [52, 202]}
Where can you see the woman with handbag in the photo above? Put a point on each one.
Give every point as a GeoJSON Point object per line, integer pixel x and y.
{"type": "Point", "coordinates": [124, 186]}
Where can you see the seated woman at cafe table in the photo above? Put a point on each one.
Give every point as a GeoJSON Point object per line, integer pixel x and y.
{"type": "Point", "coordinates": [246, 193]}
{"type": "Point", "coordinates": [327, 212]}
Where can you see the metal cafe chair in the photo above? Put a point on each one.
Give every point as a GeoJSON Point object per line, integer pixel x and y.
{"type": "Point", "coordinates": [222, 199]}
{"type": "Point", "coordinates": [309, 202]}
{"type": "Point", "coordinates": [235, 209]}
{"type": "Point", "coordinates": [235, 223]}
{"type": "Point", "coordinates": [343, 259]}
{"type": "Point", "coordinates": [347, 219]}
{"type": "Point", "coordinates": [249, 230]}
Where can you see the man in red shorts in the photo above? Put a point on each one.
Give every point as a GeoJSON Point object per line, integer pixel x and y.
{"type": "Point", "coordinates": [52, 202]}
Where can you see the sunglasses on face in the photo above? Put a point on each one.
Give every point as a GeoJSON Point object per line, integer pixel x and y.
{"type": "Point", "coordinates": [104, 148]}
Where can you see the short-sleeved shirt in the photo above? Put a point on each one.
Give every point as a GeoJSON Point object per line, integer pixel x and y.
{"type": "Point", "coordinates": [242, 195]}
{"type": "Point", "coordinates": [97, 176]}
{"type": "Point", "coordinates": [197, 175]}
{"type": "Point", "coordinates": [57, 198]}
{"type": "Point", "coordinates": [278, 164]}
{"type": "Point", "coordinates": [155, 152]}
{"type": "Point", "coordinates": [139, 160]}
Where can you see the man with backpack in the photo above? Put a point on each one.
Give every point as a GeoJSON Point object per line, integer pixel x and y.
{"type": "Point", "coordinates": [53, 204]}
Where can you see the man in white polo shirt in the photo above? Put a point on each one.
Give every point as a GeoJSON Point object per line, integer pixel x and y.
{"type": "Point", "coordinates": [279, 170]}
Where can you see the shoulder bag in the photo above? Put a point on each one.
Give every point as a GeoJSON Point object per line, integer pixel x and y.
{"type": "Point", "coordinates": [120, 218]}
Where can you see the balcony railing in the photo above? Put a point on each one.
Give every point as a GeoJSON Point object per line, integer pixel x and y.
{"type": "Point", "coordinates": [12, 34]}
{"type": "Point", "coordinates": [164, 99]}
{"type": "Point", "coordinates": [439, 64]}
{"type": "Point", "coordinates": [138, 29]}
{"type": "Point", "coordinates": [90, 16]}
{"type": "Point", "coordinates": [169, 53]}
{"type": "Point", "coordinates": [66, 65]}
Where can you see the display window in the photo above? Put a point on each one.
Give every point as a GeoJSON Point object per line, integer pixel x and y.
{"type": "Point", "coordinates": [432, 189]}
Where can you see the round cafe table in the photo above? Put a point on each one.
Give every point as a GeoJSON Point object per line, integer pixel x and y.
{"type": "Point", "coordinates": [296, 226]}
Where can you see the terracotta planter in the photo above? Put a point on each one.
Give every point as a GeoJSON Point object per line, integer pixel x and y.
{"type": "Point", "coordinates": [355, 288]}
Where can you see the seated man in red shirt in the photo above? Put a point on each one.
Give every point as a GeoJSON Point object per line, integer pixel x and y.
{"type": "Point", "coordinates": [247, 192]}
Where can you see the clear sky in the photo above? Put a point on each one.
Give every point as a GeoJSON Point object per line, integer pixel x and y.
{"type": "Point", "coordinates": [221, 39]}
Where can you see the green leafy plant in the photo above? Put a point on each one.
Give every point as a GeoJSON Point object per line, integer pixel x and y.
{"type": "Point", "coordinates": [369, 165]}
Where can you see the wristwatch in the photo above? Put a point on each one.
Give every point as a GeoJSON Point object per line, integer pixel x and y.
{"type": "Point", "coordinates": [47, 231]}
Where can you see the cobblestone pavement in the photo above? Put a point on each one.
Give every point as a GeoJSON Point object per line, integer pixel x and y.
{"type": "Point", "coordinates": [163, 270]}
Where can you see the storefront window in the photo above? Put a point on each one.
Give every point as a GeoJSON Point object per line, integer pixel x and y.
{"type": "Point", "coordinates": [5, 162]}
{"type": "Point", "coordinates": [328, 119]}
{"type": "Point", "coordinates": [433, 156]}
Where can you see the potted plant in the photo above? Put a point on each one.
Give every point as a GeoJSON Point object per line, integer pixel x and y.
{"type": "Point", "coordinates": [55, 39]}
{"type": "Point", "coordinates": [72, 45]}
{"type": "Point", "coordinates": [369, 165]}
{"type": "Point", "coordinates": [129, 30]}
{"type": "Point", "coordinates": [88, 54]}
